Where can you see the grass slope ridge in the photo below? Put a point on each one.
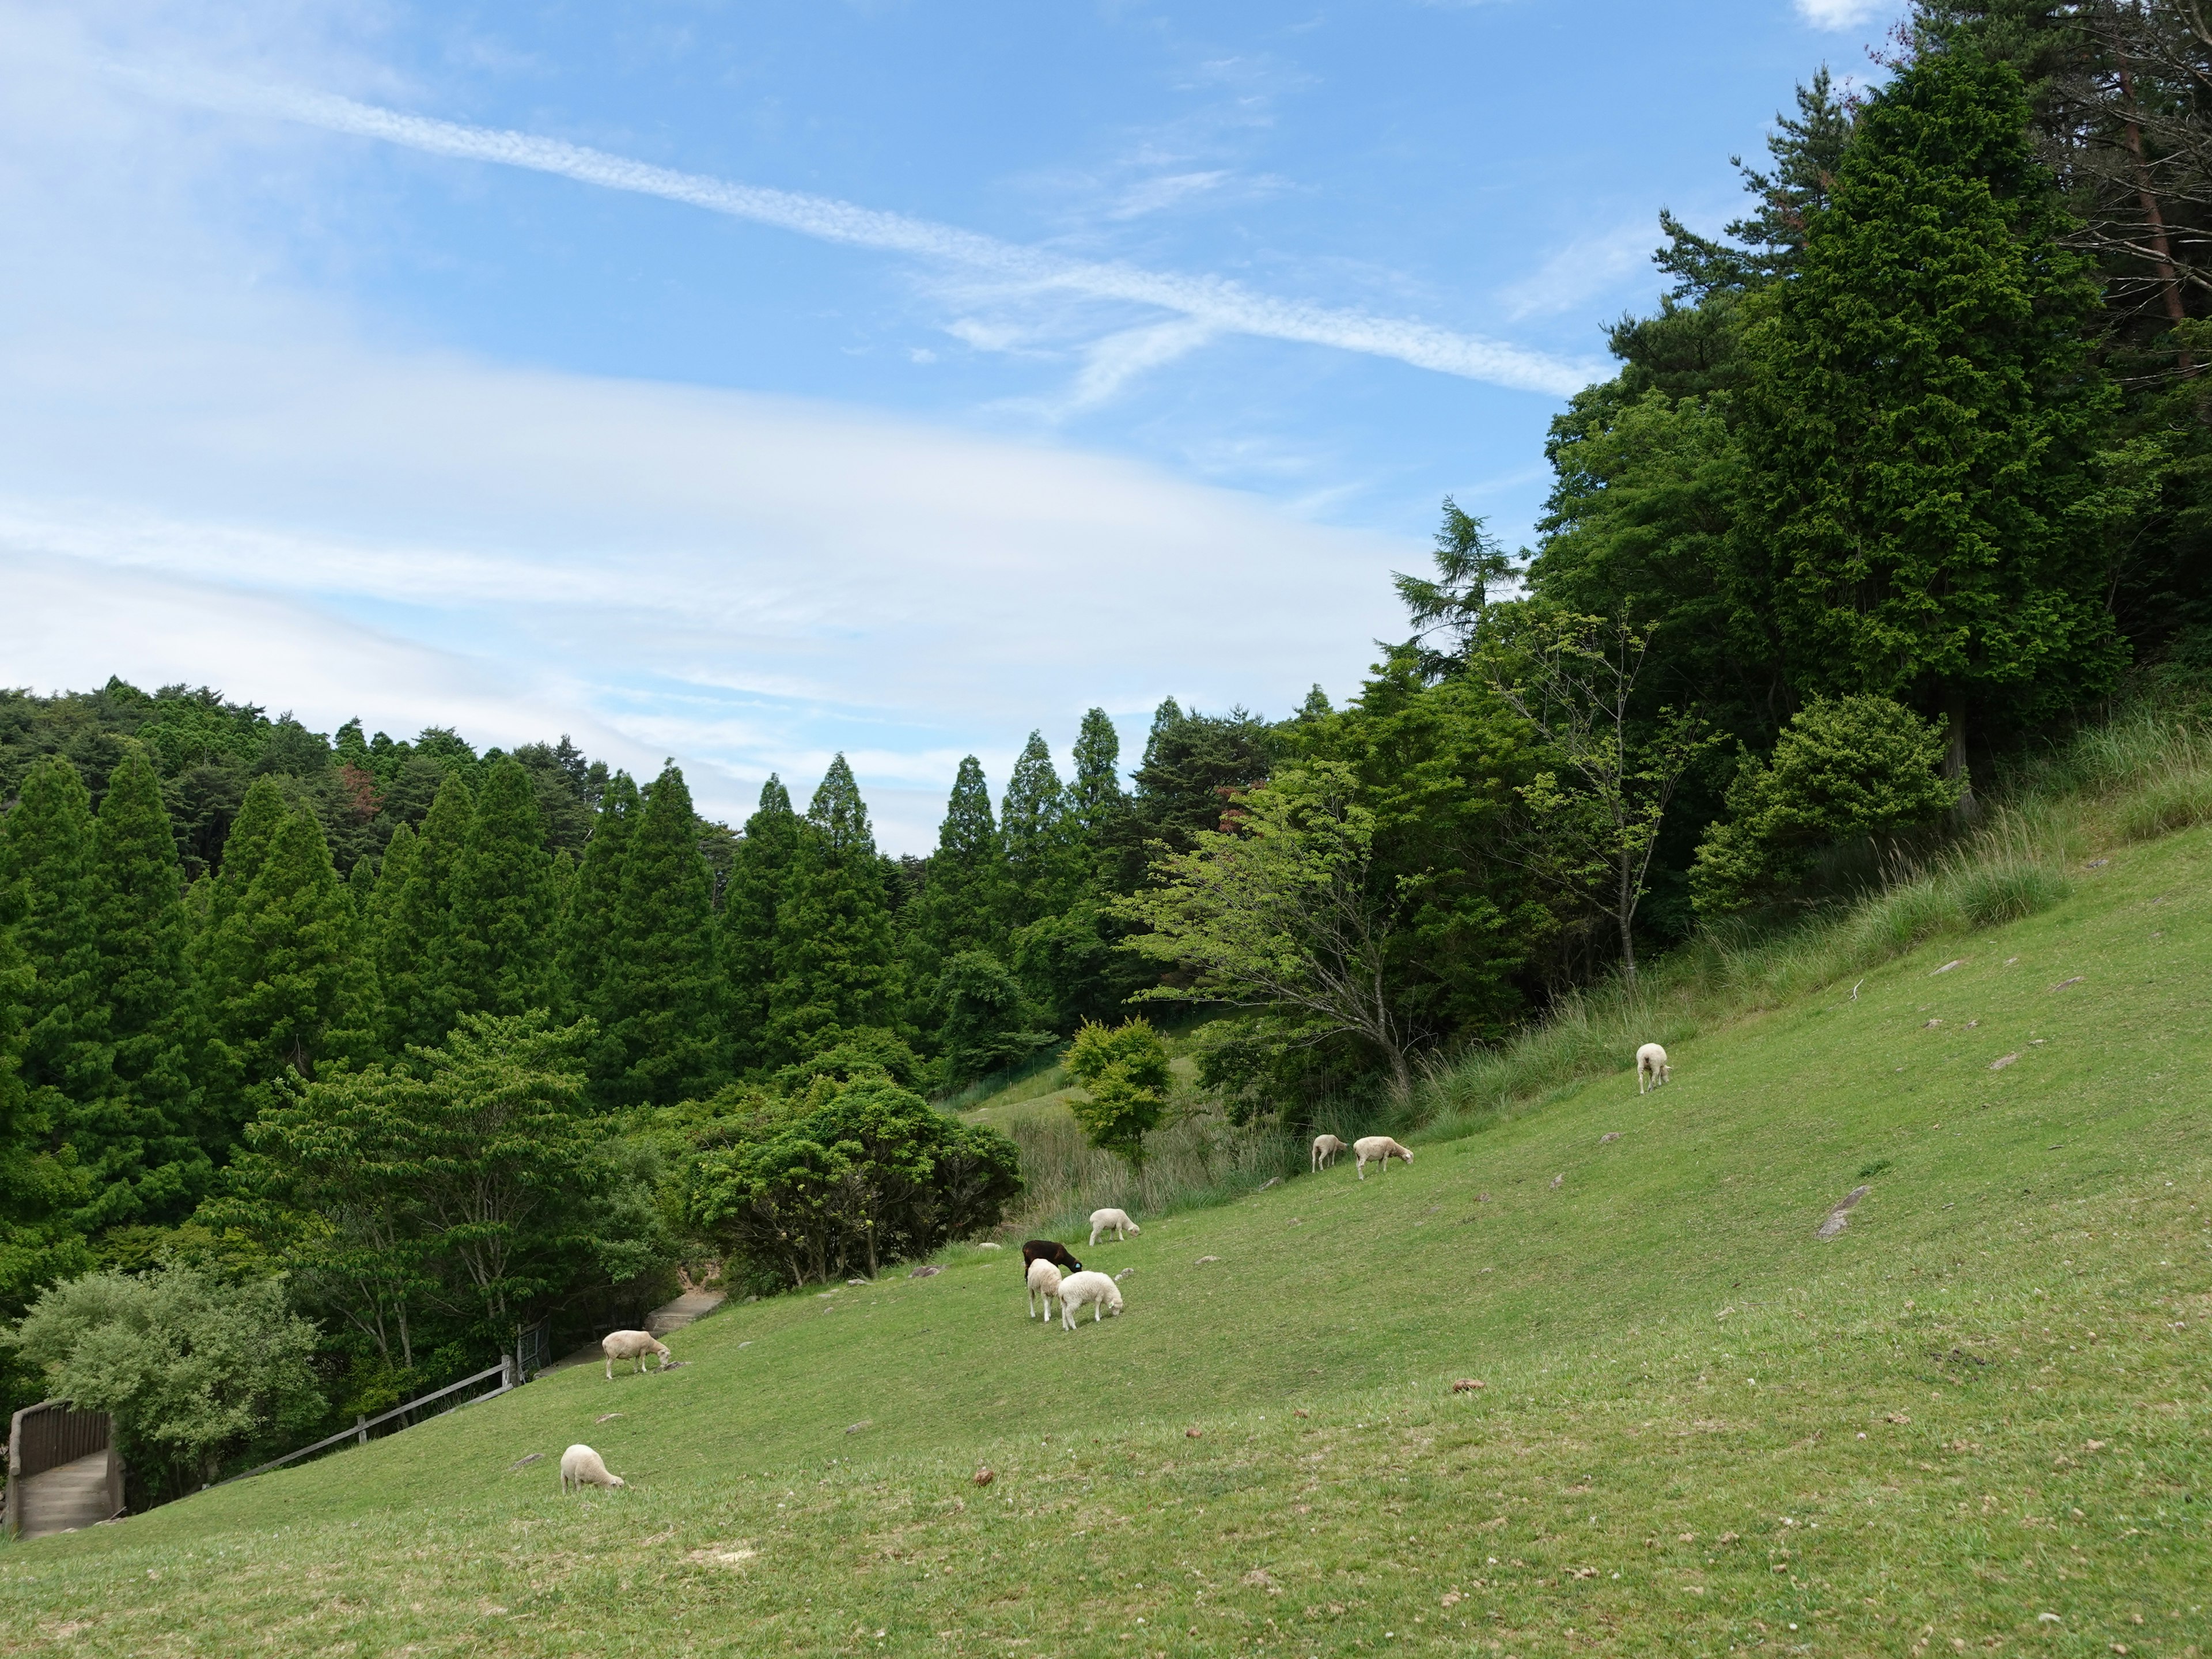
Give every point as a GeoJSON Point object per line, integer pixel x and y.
{"type": "Point", "coordinates": [1977, 1418]}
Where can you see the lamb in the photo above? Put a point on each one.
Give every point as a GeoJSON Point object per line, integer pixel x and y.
{"type": "Point", "coordinates": [1651, 1067]}
{"type": "Point", "coordinates": [1377, 1149]}
{"type": "Point", "coordinates": [581, 1466]}
{"type": "Point", "coordinates": [1325, 1150]}
{"type": "Point", "coordinates": [1115, 1221]}
{"type": "Point", "coordinates": [1048, 1249]}
{"type": "Point", "coordinates": [1095, 1291]}
{"type": "Point", "coordinates": [632, 1345]}
{"type": "Point", "coordinates": [1043, 1285]}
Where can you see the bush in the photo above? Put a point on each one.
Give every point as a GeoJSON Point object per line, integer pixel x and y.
{"type": "Point", "coordinates": [1124, 1077]}
{"type": "Point", "coordinates": [192, 1367]}
{"type": "Point", "coordinates": [874, 1176]}
{"type": "Point", "coordinates": [1842, 767]}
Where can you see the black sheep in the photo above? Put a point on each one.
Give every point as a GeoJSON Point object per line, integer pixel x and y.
{"type": "Point", "coordinates": [1048, 1249]}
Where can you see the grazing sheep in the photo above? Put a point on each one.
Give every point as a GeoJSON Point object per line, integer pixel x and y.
{"type": "Point", "coordinates": [1651, 1067]}
{"type": "Point", "coordinates": [632, 1345]}
{"type": "Point", "coordinates": [1094, 1291]}
{"type": "Point", "coordinates": [1325, 1150]}
{"type": "Point", "coordinates": [1048, 1249]}
{"type": "Point", "coordinates": [1115, 1221]}
{"type": "Point", "coordinates": [1043, 1285]}
{"type": "Point", "coordinates": [581, 1466]}
{"type": "Point", "coordinates": [1377, 1149]}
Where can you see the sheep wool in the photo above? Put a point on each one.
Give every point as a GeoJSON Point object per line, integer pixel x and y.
{"type": "Point", "coordinates": [581, 1466]}
{"type": "Point", "coordinates": [1088, 1289]}
{"type": "Point", "coordinates": [632, 1345]}
{"type": "Point", "coordinates": [1116, 1222]}
{"type": "Point", "coordinates": [1043, 1285]}
{"type": "Point", "coordinates": [1377, 1149]}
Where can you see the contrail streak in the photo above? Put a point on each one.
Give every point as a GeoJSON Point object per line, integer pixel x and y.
{"type": "Point", "coordinates": [1213, 300]}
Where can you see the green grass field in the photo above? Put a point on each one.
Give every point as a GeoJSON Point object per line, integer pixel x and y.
{"type": "Point", "coordinates": [1974, 1422]}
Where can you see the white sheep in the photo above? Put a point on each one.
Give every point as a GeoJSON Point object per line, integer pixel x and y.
{"type": "Point", "coordinates": [1116, 1222]}
{"type": "Point", "coordinates": [632, 1345]}
{"type": "Point", "coordinates": [1094, 1291]}
{"type": "Point", "coordinates": [1327, 1148]}
{"type": "Point", "coordinates": [581, 1466]}
{"type": "Point", "coordinates": [1043, 1285]}
{"type": "Point", "coordinates": [1651, 1067]}
{"type": "Point", "coordinates": [1377, 1149]}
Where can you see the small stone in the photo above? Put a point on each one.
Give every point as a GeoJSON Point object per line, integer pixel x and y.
{"type": "Point", "coordinates": [927, 1270]}
{"type": "Point", "coordinates": [609, 1417]}
{"type": "Point", "coordinates": [1614, 1135]}
{"type": "Point", "coordinates": [855, 1428]}
{"type": "Point", "coordinates": [2001, 1061]}
{"type": "Point", "coordinates": [1469, 1385]}
{"type": "Point", "coordinates": [984, 1477]}
{"type": "Point", "coordinates": [990, 1247]}
{"type": "Point", "coordinates": [1203, 1259]}
{"type": "Point", "coordinates": [2063, 983]}
{"type": "Point", "coordinates": [1190, 1434]}
{"type": "Point", "coordinates": [534, 1457]}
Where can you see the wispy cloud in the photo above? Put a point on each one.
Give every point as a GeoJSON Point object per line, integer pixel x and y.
{"type": "Point", "coordinates": [1152, 195]}
{"type": "Point", "coordinates": [1581, 271]}
{"type": "Point", "coordinates": [1843, 14]}
{"type": "Point", "coordinates": [1216, 302]}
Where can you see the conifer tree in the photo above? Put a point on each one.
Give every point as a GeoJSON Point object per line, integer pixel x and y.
{"type": "Point", "coordinates": [500, 944]}
{"type": "Point", "coordinates": [761, 870]}
{"type": "Point", "coordinates": [833, 956]}
{"type": "Point", "coordinates": [38, 1190]}
{"type": "Point", "coordinates": [588, 926]}
{"type": "Point", "coordinates": [138, 1145]}
{"type": "Point", "coordinates": [1041, 876]}
{"type": "Point", "coordinates": [1923, 420]}
{"type": "Point", "coordinates": [963, 901]}
{"type": "Point", "coordinates": [361, 887]}
{"type": "Point", "coordinates": [287, 983]}
{"type": "Point", "coordinates": [67, 1060]}
{"type": "Point", "coordinates": [1095, 797]}
{"type": "Point", "coordinates": [415, 946]}
{"type": "Point", "coordinates": [661, 996]}
{"type": "Point", "coordinates": [253, 832]}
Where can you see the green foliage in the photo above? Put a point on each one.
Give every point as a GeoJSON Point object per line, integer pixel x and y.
{"type": "Point", "coordinates": [761, 868]}
{"type": "Point", "coordinates": [966, 892]}
{"type": "Point", "coordinates": [985, 1023]}
{"type": "Point", "coordinates": [868, 1051]}
{"type": "Point", "coordinates": [66, 1059]}
{"type": "Point", "coordinates": [499, 952]}
{"type": "Point", "coordinates": [876, 1175]}
{"type": "Point", "coordinates": [1126, 1080]}
{"type": "Point", "coordinates": [418, 946]}
{"type": "Point", "coordinates": [834, 963]}
{"type": "Point", "coordinates": [1842, 767]}
{"type": "Point", "coordinates": [1927, 514]}
{"type": "Point", "coordinates": [284, 983]}
{"type": "Point", "coordinates": [192, 1368]}
{"type": "Point", "coordinates": [1469, 562]}
{"type": "Point", "coordinates": [661, 998]}
{"type": "Point", "coordinates": [137, 1143]}
{"type": "Point", "coordinates": [591, 928]}
{"type": "Point", "coordinates": [1094, 798]}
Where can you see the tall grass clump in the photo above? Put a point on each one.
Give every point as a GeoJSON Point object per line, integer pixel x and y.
{"type": "Point", "coordinates": [1198, 1160]}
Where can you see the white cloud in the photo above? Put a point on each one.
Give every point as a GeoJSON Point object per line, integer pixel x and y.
{"type": "Point", "coordinates": [1584, 271]}
{"type": "Point", "coordinates": [1843, 14]}
{"type": "Point", "coordinates": [1152, 195]}
{"type": "Point", "coordinates": [1216, 302]}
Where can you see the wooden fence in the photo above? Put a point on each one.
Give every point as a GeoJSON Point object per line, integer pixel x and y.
{"type": "Point", "coordinates": [505, 1371]}
{"type": "Point", "coordinates": [48, 1435]}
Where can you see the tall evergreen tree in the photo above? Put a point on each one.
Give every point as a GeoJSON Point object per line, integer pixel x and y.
{"type": "Point", "coordinates": [834, 963]}
{"type": "Point", "coordinates": [1095, 797]}
{"type": "Point", "coordinates": [1923, 420]}
{"type": "Point", "coordinates": [589, 923]}
{"type": "Point", "coordinates": [501, 942]}
{"type": "Point", "coordinates": [661, 995]}
{"type": "Point", "coordinates": [761, 872]}
{"type": "Point", "coordinates": [1041, 874]}
{"type": "Point", "coordinates": [416, 944]}
{"type": "Point", "coordinates": [286, 981]}
{"type": "Point", "coordinates": [67, 1059]}
{"type": "Point", "coordinates": [139, 1143]}
{"type": "Point", "coordinates": [963, 901]}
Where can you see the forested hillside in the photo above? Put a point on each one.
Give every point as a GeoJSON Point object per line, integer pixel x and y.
{"type": "Point", "coordinates": [1905, 474]}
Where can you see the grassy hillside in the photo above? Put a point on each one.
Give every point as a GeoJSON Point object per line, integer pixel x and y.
{"type": "Point", "coordinates": [1975, 1421]}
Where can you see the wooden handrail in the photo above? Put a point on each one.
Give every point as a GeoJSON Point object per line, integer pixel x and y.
{"type": "Point", "coordinates": [503, 1370]}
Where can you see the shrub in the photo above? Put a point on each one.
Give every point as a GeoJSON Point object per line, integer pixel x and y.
{"type": "Point", "coordinates": [1124, 1077]}
{"type": "Point", "coordinates": [192, 1367]}
{"type": "Point", "coordinates": [1842, 767]}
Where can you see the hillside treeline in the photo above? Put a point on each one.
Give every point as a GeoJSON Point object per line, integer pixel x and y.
{"type": "Point", "coordinates": [1907, 470]}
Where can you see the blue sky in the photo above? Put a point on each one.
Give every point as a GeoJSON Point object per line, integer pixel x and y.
{"type": "Point", "coordinates": [744, 383]}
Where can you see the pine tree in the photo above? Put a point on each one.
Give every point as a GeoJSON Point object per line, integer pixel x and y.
{"type": "Point", "coordinates": [67, 1060]}
{"type": "Point", "coordinates": [415, 947]}
{"type": "Point", "coordinates": [662, 1000]}
{"type": "Point", "coordinates": [1042, 874]}
{"type": "Point", "coordinates": [589, 923]}
{"type": "Point", "coordinates": [38, 1190]}
{"type": "Point", "coordinates": [253, 832]}
{"type": "Point", "coordinates": [500, 944]}
{"type": "Point", "coordinates": [835, 964]}
{"type": "Point", "coordinates": [287, 983]}
{"type": "Point", "coordinates": [140, 1148]}
{"type": "Point", "coordinates": [965, 894]}
{"type": "Point", "coordinates": [1095, 798]}
{"type": "Point", "coordinates": [1924, 418]}
{"type": "Point", "coordinates": [761, 872]}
